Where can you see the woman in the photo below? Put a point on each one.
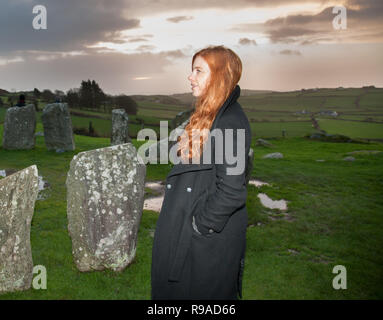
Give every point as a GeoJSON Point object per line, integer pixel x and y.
{"type": "Point", "coordinates": [200, 238]}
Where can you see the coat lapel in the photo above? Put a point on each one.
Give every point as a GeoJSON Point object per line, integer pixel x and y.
{"type": "Point", "coordinates": [181, 167]}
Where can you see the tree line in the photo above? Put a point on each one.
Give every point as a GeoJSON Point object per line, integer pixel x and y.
{"type": "Point", "coordinates": [88, 96]}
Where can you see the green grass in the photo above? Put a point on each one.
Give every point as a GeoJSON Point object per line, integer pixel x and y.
{"type": "Point", "coordinates": [149, 120]}
{"type": "Point", "coordinates": [339, 103]}
{"type": "Point", "coordinates": [102, 126]}
{"type": "Point", "coordinates": [352, 129]}
{"type": "Point", "coordinates": [335, 206]}
{"type": "Point", "coordinates": [364, 117]}
{"type": "Point", "coordinates": [2, 114]}
{"type": "Point", "coordinates": [371, 100]}
{"type": "Point", "coordinates": [274, 129]}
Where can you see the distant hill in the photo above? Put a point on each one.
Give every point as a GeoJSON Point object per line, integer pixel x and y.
{"type": "Point", "coordinates": [162, 99]}
{"type": "Point", "coordinates": [184, 98]}
{"type": "Point", "coordinates": [3, 92]}
{"type": "Point", "coordinates": [249, 92]}
{"type": "Point", "coordinates": [188, 98]}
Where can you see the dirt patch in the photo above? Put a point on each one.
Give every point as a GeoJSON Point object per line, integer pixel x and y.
{"type": "Point", "coordinates": [258, 183]}
{"type": "Point", "coordinates": [153, 200]}
{"type": "Point", "coordinates": [272, 204]}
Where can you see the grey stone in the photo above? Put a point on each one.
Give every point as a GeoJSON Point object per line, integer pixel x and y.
{"type": "Point", "coordinates": [19, 128]}
{"type": "Point", "coordinates": [264, 143]}
{"type": "Point", "coordinates": [58, 132]}
{"type": "Point", "coordinates": [349, 158]}
{"type": "Point", "coordinates": [324, 136]}
{"type": "Point", "coordinates": [105, 196]}
{"type": "Point", "coordinates": [275, 155]}
{"type": "Point", "coordinates": [317, 135]}
{"type": "Point", "coordinates": [39, 134]}
{"type": "Point", "coordinates": [249, 167]}
{"type": "Point", "coordinates": [18, 193]}
{"type": "Point", "coordinates": [120, 127]}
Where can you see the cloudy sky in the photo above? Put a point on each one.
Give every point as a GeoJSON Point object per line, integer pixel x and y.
{"type": "Point", "coordinates": [146, 46]}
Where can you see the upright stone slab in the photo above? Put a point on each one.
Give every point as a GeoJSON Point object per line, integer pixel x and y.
{"type": "Point", "coordinates": [120, 127]}
{"type": "Point", "coordinates": [249, 168]}
{"type": "Point", "coordinates": [19, 128]}
{"type": "Point", "coordinates": [105, 197]}
{"type": "Point", "coordinates": [58, 132]}
{"type": "Point", "coordinates": [18, 193]}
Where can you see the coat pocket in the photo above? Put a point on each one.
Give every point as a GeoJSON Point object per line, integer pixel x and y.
{"type": "Point", "coordinates": [195, 209]}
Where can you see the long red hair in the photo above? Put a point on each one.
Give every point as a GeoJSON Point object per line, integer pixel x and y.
{"type": "Point", "coordinates": [225, 72]}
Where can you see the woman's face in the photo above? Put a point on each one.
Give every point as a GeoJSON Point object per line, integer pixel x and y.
{"type": "Point", "coordinates": [200, 76]}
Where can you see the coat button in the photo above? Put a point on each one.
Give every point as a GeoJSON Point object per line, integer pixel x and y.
{"type": "Point", "coordinates": [169, 186]}
{"type": "Point", "coordinates": [211, 230]}
{"type": "Point", "coordinates": [188, 189]}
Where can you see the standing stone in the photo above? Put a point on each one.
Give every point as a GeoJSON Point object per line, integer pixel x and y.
{"type": "Point", "coordinates": [58, 132]}
{"type": "Point", "coordinates": [19, 128]}
{"type": "Point", "coordinates": [249, 168]}
{"type": "Point", "coordinates": [105, 197]}
{"type": "Point", "coordinates": [18, 193]}
{"type": "Point", "coordinates": [120, 127]}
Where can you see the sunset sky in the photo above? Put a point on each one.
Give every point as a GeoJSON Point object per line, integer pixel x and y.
{"type": "Point", "coordinates": [146, 47]}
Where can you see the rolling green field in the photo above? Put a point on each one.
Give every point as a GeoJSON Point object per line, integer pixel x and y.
{"type": "Point", "coordinates": [268, 112]}
{"type": "Point", "coordinates": [334, 217]}
{"type": "Point", "coordinates": [352, 128]}
{"type": "Point", "coordinates": [274, 129]}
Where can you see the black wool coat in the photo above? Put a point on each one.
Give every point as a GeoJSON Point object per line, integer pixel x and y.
{"type": "Point", "coordinates": [206, 262]}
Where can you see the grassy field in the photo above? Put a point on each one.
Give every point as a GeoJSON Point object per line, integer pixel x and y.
{"type": "Point", "coordinates": [101, 122]}
{"type": "Point", "coordinates": [334, 217]}
{"type": "Point", "coordinates": [274, 129]}
{"type": "Point", "coordinates": [352, 128]}
{"type": "Point", "coordinates": [268, 112]}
